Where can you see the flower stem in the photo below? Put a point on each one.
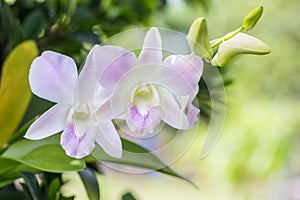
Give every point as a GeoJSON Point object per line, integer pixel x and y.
{"type": "Point", "coordinates": [218, 41]}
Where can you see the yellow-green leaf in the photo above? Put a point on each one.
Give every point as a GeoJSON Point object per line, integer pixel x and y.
{"type": "Point", "coordinates": [15, 92]}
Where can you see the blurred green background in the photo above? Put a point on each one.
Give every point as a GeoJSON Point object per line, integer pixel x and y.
{"type": "Point", "coordinates": [257, 156]}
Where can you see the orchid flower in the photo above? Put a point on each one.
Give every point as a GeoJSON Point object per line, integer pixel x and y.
{"type": "Point", "coordinates": [54, 77]}
{"type": "Point", "coordinates": [149, 89]}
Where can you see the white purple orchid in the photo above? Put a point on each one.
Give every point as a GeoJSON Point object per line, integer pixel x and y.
{"type": "Point", "coordinates": [149, 89]}
{"type": "Point", "coordinates": [54, 77]}
{"type": "Point", "coordinates": [113, 84]}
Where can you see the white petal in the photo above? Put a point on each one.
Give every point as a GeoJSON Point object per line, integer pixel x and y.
{"type": "Point", "coordinates": [172, 113]}
{"type": "Point", "coordinates": [52, 76]}
{"type": "Point", "coordinates": [108, 138]}
{"type": "Point", "coordinates": [152, 48]}
{"type": "Point", "coordinates": [189, 66]}
{"type": "Point", "coordinates": [78, 145]}
{"type": "Point", "coordinates": [87, 81]}
{"type": "Point", "coordinates": [105, 111]}
{"type": "Point", "coordinates": [51, 122]}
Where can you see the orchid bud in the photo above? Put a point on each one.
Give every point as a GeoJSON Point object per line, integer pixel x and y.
{"type": "Point", "coordinates": [240, 44]}
{"type": "Point", "coordinates": [198, 39]}
{"type": "Point", "coordinates": [252, 18]}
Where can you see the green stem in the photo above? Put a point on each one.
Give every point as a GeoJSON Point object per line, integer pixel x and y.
{"type": "Point", "coordinates": [217, 42]}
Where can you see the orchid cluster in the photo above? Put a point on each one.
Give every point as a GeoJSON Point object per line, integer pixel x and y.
{"type": "Point", "coordinates": [114, 84]}
{"type": "Point", "coordinates": [142, 91]}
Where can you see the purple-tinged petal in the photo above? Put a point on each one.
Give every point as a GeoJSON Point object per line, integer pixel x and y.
{"type": "Point", "coordinates": [52, 76]}
{"type": "Point", "coordinates": [152, 48]}
{"type": "Point", "coordinates": [108, 138]}
{"type": "Point", "coordinates": [172, 113]}
{"type": "Point", "coordinates": [77, 145]}
{"type": "Point", "coordinates": [190, 66]}
{"type": "Point", "coordinates": [105, 64]}
{"type": "Point", "coordinates": [115, 62]}
{"type": "Point", "coordinates": [51, 122]}
{"type": "Point", "coordinates": [143, 122]}
{"type": "Point", "coordinates": [191, 110]}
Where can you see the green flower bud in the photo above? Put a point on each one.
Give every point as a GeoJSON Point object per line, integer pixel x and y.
{"type": "Point", "coordinates": [198, 39]}
{"type": "Point", "coordinates": [240, 44]}
{"type": "Point", "coordinates": [252, 18]}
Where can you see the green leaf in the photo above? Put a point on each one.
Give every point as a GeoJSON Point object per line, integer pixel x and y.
{"type": "Point", "coordinates": [10, 193]}
{"type": "Point", "coordinates": [52, 158]}
{"type": "Point", "coordinates": [128, 196]}
{"type": "Point", "coordinates": [135, 155]}
{"type": "Point", "coordinates": [33, 24]}
{"type": "Point", "coordinates": [32, 184]}
{"type": "Point", "coordinates": [198, 39]}
{"type": "Point", "coordinates": [21, 148]}
{"type": "Point", "coordinates": [90, 183]}
{"type": "Point", "coordinates": [15, 93]}
{"type": "Point", "coordinates": [53, 189]}
{"type": "Point", "coordinates": [67, 198]}
{"type": "Point", "coordinates": [46, 155]}
{"type": "Point", "coordinates": [252, 18]}
{"type": "Point", "coordinates": [9, 28]}
{"type": "Point", "coordinates": [10, 170]}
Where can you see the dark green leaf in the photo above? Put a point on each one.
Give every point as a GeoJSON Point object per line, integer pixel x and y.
{"type": "Point", "coordinates": [10, 193]}
{"type": "Point", "coordinates": [9, 26]}
{"type": "Point", "coordinates": [33, 24]}
{"type": "Point", "coordinates": [10, 170]}
{"type": "Point", "coordinates": [90, 183]}
{"type": "Point", "coordinates": [128, 196]}
{"type": "Point", "coordinates": [53, 189]}
{"type": "Point", "coordinates": [67, 198]}
{"type": "Point", "coordinates": [32, 185]}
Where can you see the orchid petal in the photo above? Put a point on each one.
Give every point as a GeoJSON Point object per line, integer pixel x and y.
{"type": "Point", "coordinates": [113, 64]}
{"type": "Point", "coordinates": [173, 114]}
{"type": "Point", "coordinates": [104, 111]}
{"type": "Point", "coordinates": [151, 74]}
{"type": "Point", "coordinates": [190, 66]}
{"type": "Point", "coordinates": [108, 138]}
{"type": "Point", "coordinates": [86, 85]}
{"type": "Point", "coordinates": [52, 76]}
{"type": "Point", "coordinates": [50, 123]}
{"type": "Point", "coordinates": [77, 146]}
{"type": "Point", "coordinates": [192, 114]}
{"type": "Point", "coordinates": [143, 123]}
{"type": "Point", "coordinates": [105, 64]}
{"type": "Point", "coordinates": [152, 48]}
